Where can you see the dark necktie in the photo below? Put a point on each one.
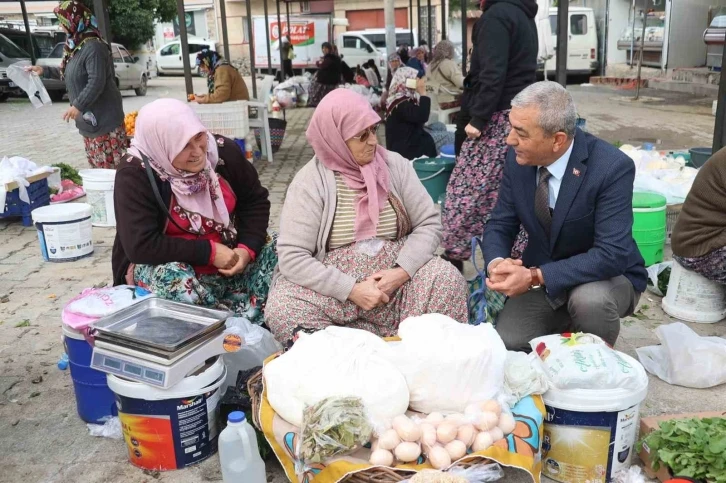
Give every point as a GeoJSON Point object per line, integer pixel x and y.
{"type": "Point", "coordinates": [542, 200]}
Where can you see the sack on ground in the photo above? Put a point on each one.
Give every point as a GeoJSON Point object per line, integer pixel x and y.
{"type": "Point", "coordinates": [685, 358]}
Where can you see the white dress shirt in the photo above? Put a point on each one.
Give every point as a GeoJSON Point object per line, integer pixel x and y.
{"type": "Point", "coordinates": [557, 170]}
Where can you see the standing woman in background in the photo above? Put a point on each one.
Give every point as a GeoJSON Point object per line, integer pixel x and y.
{"type": "Point", "coordinates": [95, 101]}
{"type": "Point", "coordinates": [503, 63]}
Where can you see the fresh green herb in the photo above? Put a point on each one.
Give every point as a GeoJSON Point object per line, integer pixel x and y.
{"type": "Point", "coordinates": [694, 448]}
{"type": "Point", "coordinates": [69, 172]}
{"type": "Point", "coordinates": [618, 144]}
{"type": "Point", "coordinates": [333, 426]}
{"type": "Point", "coordinates": [23, 323]}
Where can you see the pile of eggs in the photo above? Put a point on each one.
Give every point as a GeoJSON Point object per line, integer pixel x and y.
{"type": "Point", "coordinates": [443, 439]}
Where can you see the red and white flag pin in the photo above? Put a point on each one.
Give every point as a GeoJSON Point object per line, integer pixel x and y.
{"type": "Point", "coordinates": [576, 171]}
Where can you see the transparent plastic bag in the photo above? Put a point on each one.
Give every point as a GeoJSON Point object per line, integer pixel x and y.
{"type": "Point", "coordinates": [30, 83]}
{"type": "Point", "coordinates": [257, 345]}
{"type": "Point", "coordinates": [479, 473]}
{"type": "Point", "coordinates": [370, 247]}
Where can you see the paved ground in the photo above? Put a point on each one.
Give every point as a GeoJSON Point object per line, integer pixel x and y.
{"type": "Point", "coordinates": [40, 433]}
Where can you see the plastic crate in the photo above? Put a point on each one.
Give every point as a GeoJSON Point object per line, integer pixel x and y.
{"type": "Point", "coordinates": [230, 119]}
{"type": "Point", "coordinates": [672, 212]}
{"type": "Point", "coordinates": [14, 207]}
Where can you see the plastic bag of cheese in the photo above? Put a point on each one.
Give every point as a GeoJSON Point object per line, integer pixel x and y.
{"type": "Point", "coordinates": [449, 365]}
{"type": "Point", "coordinates": [336, 362]}
{"type": "Point", "coordinates": [585, 361]}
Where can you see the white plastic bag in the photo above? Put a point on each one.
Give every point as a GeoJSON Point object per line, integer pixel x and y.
{"type": "Point", "coordinates": [99, 302]}
{"type": "Point", "coordinates": [110, 429]}
{"type": "Point", "coordinates": [653, 272]}
{"type": "Point", "coordinates": [523, 376]}
{"type": "Point", "coordinates": [685, 358]}
{"type": "Point", "coordinates": [336, 361]}
{"type": "Point", "coordinates": [584, 361]}
{"type": "Point", "coordinates": [30, 83]}
{"type": "Point", "coordinates": [449, 365]}
{"type": "Point", "coordinates": [479, 473]}
{"type": "Point", "coordinates": [257, 345]}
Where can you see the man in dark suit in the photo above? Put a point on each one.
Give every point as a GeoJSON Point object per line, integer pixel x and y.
{"type": "Point", "coordinates": [572, 192]}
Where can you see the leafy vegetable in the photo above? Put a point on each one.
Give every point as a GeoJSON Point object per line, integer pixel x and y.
{"type": "Point", "coordinates": [333, 426]}
{"type": "Point", "coordinates": [694, 448]}
{"type": "Point", "coordinates": [69, 172]}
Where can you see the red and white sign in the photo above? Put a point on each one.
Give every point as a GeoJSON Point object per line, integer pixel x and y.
{"type": "Point", "coordinates": [301, 33]}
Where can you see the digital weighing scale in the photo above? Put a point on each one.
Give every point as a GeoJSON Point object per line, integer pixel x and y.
{"type": "Point", "coordinates": [158, 342]}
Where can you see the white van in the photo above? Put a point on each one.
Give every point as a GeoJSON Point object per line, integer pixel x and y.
{"type": "Point", "coordinates": [582, 41]}
{"type": "Point", "coordinates": [359, 46]}
{"type": "Point", "coordinates": [169, 57]}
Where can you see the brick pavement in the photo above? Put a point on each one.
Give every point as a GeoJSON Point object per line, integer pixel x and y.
{"type": "Point", "coordinates": [41, 436]}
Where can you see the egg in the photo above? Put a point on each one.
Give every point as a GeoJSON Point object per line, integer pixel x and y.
{"type": "Point", "coordinates": [483, 441]}
{"type": "Point", "coordinates": [507, 423]}
{"type": "Point", "coordinates": [466, 434]}
{"type": "Point", "coordinates": [435, 419]}
{"type": "Point", "coordinates": [407, 430]}
{"type": "Point", "coordinates": [496, 434]}
{"type": "Point", "coordinates": [487, 421]}
{"type": "Point", "coordinates": [472, 409]}
{"type": "Point", "coordinates": [456, 418]}
{"type": "Point", "coordinates": [456, 449]}
{"type": "Point", "coordinates": [381, 457]}
{"type": "Point", "coordinates": [407, 452]}
{"type": "Point", "coordinates": [428, 435]}
{"type": "Point", "coordinates": [446, 432]}
{"type": "Point", "coordinates": [389, 440]}
{"type": "Point", "coordinates": [439, 457]}
{"type": "Point", "coordinates": [492, 407]}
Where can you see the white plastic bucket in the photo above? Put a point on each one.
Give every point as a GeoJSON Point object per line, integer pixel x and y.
{"type": "Point", "coordinates": [169, 429]}
{"type": "Point", "coordinates": [590, 434]}
{"type": "Point", "coordinates": [64, 231]}
{"type": "Point", "coordinates": [694, 298]}
{"type": "Point", "coordinates": [98, 184]}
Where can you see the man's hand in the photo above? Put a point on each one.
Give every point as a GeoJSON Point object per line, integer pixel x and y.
{"type": "Point", "coordinates": [367, 296]}
{"type": "Point", "coordinates": [243, 260]}
{"type": "Point", "coordinates": [495, 275]}
{"type": "Point", "coordinates": [201, 98]}
{"type": "Point", "coordinates": [511, 279]}
{"type": "Point", "coordinates": [472, 132]}
{"type": "Point", "coordinates": [71, 114]}
{"type": "Point", "coordinates": [388, 281]}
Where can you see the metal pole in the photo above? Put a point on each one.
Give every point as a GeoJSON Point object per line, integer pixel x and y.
{"type": "Point", "coordinates": [563, 20]}
{"type": "Point", "coordinates": [443, 20]}
{"type": "Point", "coordinates": [632, 40]}
{"type": "Point", "coordinates": [252, 48]}
{"type": "Point", "coordinates": [27, 31]}
{"type": "Point", "coordinates": [225, 37]}
{"type": "Point", "coordinates": [100, 10]}
{"type": "Point", "coordinates": [280, 34]}
{"type": "Point", "coordinates": [719, 130]}
{"type": "Point", "coordinates": [430, 40]}
{"type": "Point", "coordinates": [410, 18]}
{"type": "Point", "coordinates": [389, 16]}
{"type": "Point", "coordinates": [184, 46]}
{"type": "Point", "coordinates": [289, 27]}
{"type": "Point", "coordinates": [640, 58]}
{"type": "Point", "coordinates": [267, 37]}
{"type": "Point", "coordinates": [418, 12]}
{"type": "Point", "coordinates": [605, 37]}
{"type": "Point", "coordinates": [464, 34]}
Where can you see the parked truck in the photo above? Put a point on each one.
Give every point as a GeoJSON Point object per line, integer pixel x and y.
{"type": "Point", "coordinates": [306, 33]}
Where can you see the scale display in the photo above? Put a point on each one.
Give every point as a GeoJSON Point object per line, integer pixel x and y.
{"type": "Point", "coordinates": [131, 370]}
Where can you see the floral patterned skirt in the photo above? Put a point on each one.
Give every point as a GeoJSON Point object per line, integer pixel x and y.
{"type": "Point", "coordinates": [711, 265]}
{"type": "Point", "coordinates": [436, 288]}
{"type": "Point", "coordinates": [317, 91]}
{"type": "Point", "coordinates": [473, 189]}
{"type": "Point", "coordinates": [245, 294]}
{"type": "Point", "coordinates": [106, 151]}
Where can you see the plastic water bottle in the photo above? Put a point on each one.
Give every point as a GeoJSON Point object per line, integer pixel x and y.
{"type": "Point", "coordinates": [239, 454]}
{"type": "Point", "coordinates": [63, 362]}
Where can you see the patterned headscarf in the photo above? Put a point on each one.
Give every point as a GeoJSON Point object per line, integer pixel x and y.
{"type": "Point", "coordinates": [398, 92]}
{"type": "Point", "coordinates": [81, 25]}
{"type": "Point", "coordinates": [443, 50]}
{"type": "Point", "coordinates": [211, 60]}
{"type": "Point", "coordinates": [393, 58]}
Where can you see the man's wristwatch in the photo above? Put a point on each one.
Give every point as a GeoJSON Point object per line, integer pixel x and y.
{"type": "Point", "coordinates": [534, 283]}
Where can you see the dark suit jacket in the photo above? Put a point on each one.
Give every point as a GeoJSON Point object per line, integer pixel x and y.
{"type": "Point", "coordinates": [592, 223]}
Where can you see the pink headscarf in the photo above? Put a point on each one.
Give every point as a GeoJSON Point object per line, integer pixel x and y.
{"type": "Point", "coordinates": [163, 129]}
{"type": "Point", "coordinates": [341, 115]}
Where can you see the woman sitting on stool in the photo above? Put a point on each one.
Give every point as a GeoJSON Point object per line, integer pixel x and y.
{"type": "Point", "coordinates": [191, 215]}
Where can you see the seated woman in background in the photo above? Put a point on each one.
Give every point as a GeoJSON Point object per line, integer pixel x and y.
{"type": "Point", "coordinates": [371, 71]}
{"type": "Point", "coordinates": [224, 82]}
{"type": "Point", "coordinates": [191, 215]}
{"type": "Point", "coordinates": [416, 61]}
{"type": "Point", "coordinates": [358, 234]}
{"type": "Point", "coordinates": [407, 111]}
{"type": "Point", "coordinates": [327, 77]}
{"type": "Point", "coordinates": [445, 75]}
{"type": "Point", "coordinates": [699, 237]}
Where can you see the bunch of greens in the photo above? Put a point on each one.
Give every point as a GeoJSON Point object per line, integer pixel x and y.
{"type": "Point", "coordinates": [694, 448]}
{"type": "Point", "coordinates": [333, 426]}
{"type": "Point", "coordinates": [69, 172]}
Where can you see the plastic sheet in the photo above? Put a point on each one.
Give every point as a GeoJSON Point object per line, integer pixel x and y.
{"type": "Point", "coordinates": [110, 429]}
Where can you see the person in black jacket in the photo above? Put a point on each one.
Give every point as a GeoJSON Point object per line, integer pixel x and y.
{"type": "Point", "coordinates": [328, 77]}
{"type": "Point", "coordinates": [192, 215]}
{"type": "Point", "coordinates": [407, 111]}
{"type": "Point", "coordinates": [503, 63]}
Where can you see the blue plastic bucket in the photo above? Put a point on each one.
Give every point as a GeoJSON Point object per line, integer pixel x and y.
{"type": "Point", "coordinates": [94, 400]}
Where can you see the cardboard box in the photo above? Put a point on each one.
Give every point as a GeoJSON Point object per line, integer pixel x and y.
{"type": "Point", "coordinates": [31, 179]}
{"type": "Point", "coordinates": [650, 424]}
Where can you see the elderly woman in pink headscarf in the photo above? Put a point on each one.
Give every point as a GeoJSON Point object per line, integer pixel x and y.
{"type": "Point", "coordinates": [358, 234]}
{"type": "Point", "coordinates": [191, 215]}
